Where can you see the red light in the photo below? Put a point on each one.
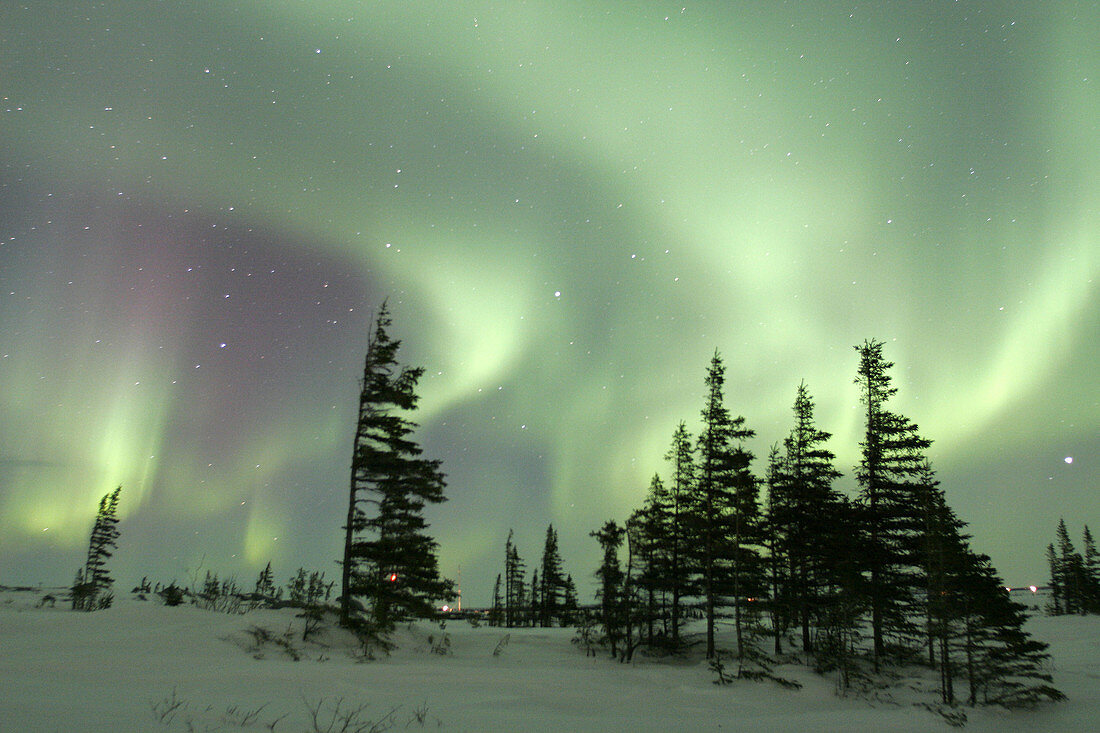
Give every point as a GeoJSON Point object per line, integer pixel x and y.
{"type": "Point", "coordinates": [393, 577]}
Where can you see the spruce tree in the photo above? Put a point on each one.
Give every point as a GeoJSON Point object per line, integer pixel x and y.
{"type": "Point", "coordinates": [678, 527]}
{"type": "Point", "coordinates": [265, 583]}
{"type": "Point", "coordinates": [534, 607]}
{"type": "Point", "coordinates": [610, 575]}
{"type": "Point", "coordinates": [975, 631]}
{"type": "Point", "coordinates": [1057, 604]}
{"type": "Point", "coordinates": [92, 589]}
{"type": "Point", "coordinates": [652, 528]}
{"type": "Point", "coordinates": [552, 580]}
{"type": "Point", "coordinates": [571, 604]}
{"type": "Point", "coordinates": [496, 612]}
{"type": "Point", "coordinates": [775, 541]}
{"type": "Point", "coordinates": [1004, 665]}
{"type": "Point", "coordinates": [946, 559]}
{"type": "Point", "coordinates": [802, 495]}
{"type": "Point", "coordinates": [892, 458]}
{"type": "Point", "coordinates": [390, 568]}
{"type": "Point", "coordinates": [514, 585]}
{"type": "Point", "coordinates": [842, 599]}
{"type": "Point", "coordinates": [1071, 571]}
{"type": "Point", "coordinates": [1090, 572]}
{"type": "Point", "coordinates": [725, 514]}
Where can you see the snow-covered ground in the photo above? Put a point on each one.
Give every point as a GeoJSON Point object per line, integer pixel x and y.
{"type": "Point", "coordinates": [141, 666]}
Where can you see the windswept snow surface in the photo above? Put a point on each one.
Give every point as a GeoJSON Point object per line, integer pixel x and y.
{"type": "Point", "coordinates": [124, 668]}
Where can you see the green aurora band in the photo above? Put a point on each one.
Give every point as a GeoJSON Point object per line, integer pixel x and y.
{"type": "Point", "coordinates": [569, 205]}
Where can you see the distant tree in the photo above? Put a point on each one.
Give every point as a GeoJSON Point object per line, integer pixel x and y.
{"type": "Point", "coordinates": [551, 582]}
{"type": "Point", "coordinates": [571, 604]}
{"type": "Point", "coordinates": [1074, 579]}
{"type": "Point", "coordinates": [1071, 572]}
{"type": "Point", "coordinates": [1057, 607]}
{"type": "Point", "coordinates": [265, 583]}
{"type": "Point", "coordinates": [308, 588]}
{"type": "Point", "coordinates": [534, 606]}
{"type": "Point", "coordinates": [390, 567]}
{"type": "Point", "coordinates": [92, 588]}
{"type": "Point", "coordinates": [496, 612]}
{"type": "Point", "coordinates": [515, 586]}
{"type": "Point", "coordinates": [1090, 572]}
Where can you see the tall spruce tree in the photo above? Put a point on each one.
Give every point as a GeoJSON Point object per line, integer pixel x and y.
{"type": "Point", "coordinates": [390, 568]}
{"type": "Point", "coordinates": [92, 589]}
{"type": "Point", "coordinates": [801, 514]}
{"type": "Point", "coordinates": [725, 512]}
{"type": "Point", "coordinates": [892, 459]}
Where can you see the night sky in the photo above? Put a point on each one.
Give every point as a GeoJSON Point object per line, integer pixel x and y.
{"type": "Point", "coordinates": [570, 206]}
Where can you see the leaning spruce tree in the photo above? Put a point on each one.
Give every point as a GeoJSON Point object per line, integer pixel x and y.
{"type": "Point", "coordinates": [390, 569]}
{"type": "Point", "coordinates": [92, 589]}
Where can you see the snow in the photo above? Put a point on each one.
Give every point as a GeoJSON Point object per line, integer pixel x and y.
{"type": "Point", "coordinates": [115, 670]}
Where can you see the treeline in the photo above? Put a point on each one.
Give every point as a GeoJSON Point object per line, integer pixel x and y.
{"type": "Point", "coordinates": [846, 584]}
{"type": "Point", "coordinates": [548, 599]}
{"type": "Point", "coordinates": [1074, 578]}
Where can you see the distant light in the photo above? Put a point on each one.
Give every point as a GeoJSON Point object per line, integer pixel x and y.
{"type": "Point", "coordinates": [1033, 588]}
{"type": "Point", "coordinates": [1069, 459]}
{"type": "Point", "coordinates": [445, 609]}
{"type": "Point", "coordinates": [393, 577]}
{"type": "Point", "coordinates": [1008, 589]}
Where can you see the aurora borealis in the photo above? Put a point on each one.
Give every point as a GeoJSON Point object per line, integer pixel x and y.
{"type": "Point", "coordinates": [569, 206]}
